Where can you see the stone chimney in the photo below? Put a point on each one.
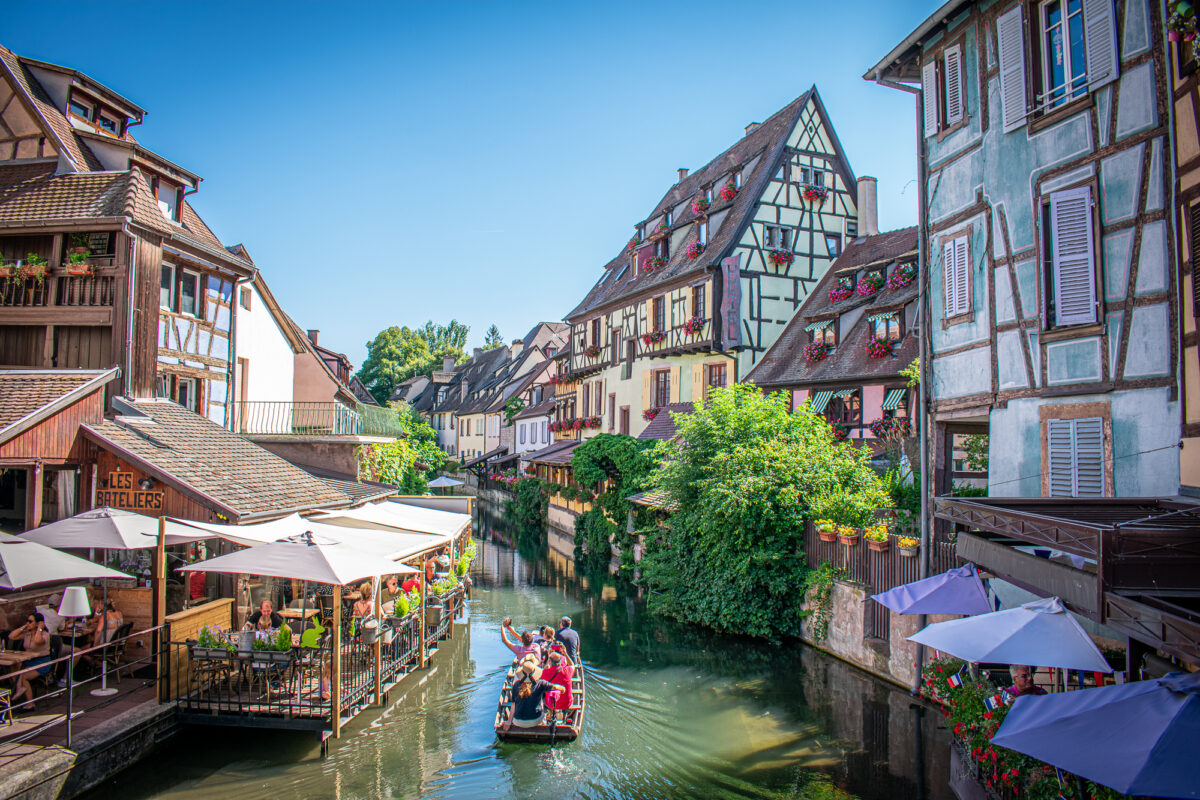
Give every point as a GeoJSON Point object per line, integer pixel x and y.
{"type": "Point", "coordinates": [478, 352]}
{"type": "Point", "coordinates": [516, 347]}
{"type": "Point", "coordinates": [682, 174]}
{"type": "Point", "coordinates": [752, 127]}
{"type": "Point", "coordinates": [868, 210]}
{"type": "Point", "coordinates": [313, 336]}
{"type": "Point", "coordinates": [448, 363]}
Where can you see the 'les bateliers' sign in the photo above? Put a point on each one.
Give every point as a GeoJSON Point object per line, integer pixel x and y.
{"type": "Point", "coordinates": [122, 494]}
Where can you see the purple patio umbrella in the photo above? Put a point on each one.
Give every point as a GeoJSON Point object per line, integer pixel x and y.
{"type": "Point", "coordinates": [1137, 738]}
{"type": "Point", "coordinates": [955, 591]}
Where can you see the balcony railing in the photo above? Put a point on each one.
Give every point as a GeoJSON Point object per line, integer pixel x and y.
{"type": "Point", "coordinates": [286, 418]}
{"type": "Point", "coordinates": [96, 290]}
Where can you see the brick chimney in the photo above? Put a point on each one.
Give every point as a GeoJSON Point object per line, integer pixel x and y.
{"type": "Point", "coordinates": [314, 335]}
{"type": "Point", "coordinates": [683, 171]}
{"type": "Point", "coordinates": [516, 347]}
{"type": "Point", "coordinates": [448, 363]}
{"type": "Point", "coordinates": [868, 209]}
{"type": "Point", "coordinates": [478, 352]}
{"type": "Point", "coordinates": [752, 127]}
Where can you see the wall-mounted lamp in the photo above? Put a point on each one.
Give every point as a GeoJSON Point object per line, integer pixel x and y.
{"type": "Point", "coordinates": [146, 483]}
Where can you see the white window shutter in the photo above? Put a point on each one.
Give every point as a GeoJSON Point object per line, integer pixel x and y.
{"type": "Point", "coordinates": [1089, 457]}
{"type": "Point", "coordinates": [1074, 259]}
{"type": "Point", "coordinates": [954, 94]}
{"type": "Point", "coordinates": [1060, 449]}
{"type": "Point", "coordinates": [1100, 40]}
{"type": "Point", "coordinates": [1010, 35]}
{"type": "Point", "coordinates": [962, 267]}
{"type": "Point", "coordinates": [930, 97]}
{"type": "Point", "coordinates": [948, 277]}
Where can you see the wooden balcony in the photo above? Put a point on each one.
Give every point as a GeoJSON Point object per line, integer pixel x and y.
{"type": "Point", "coordinates": [61, 299]}
{"type": "Point", "coordinates": [676, 341]}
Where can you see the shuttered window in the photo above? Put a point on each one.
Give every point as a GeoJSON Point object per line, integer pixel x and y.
{"type": "Point", "coordinates": [1194, 249]}
{"type": "Point", "coordinates": [956, 264]}
{"type": "Point", "coordinates": [1010, 36]}
{"type": "Point", "coordinates": [929, 97]}
{"type": "Point", "coordinates": [1075, 450]}
{"type": "Point", "coordinates": [1100, 35]}
{"type": "Point", "coordinates": [953, 75]}
{"type": "Point", "coordinates": [1072, 252]}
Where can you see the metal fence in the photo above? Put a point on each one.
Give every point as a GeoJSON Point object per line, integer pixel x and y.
{"type": "Point", "coordinates": [266, 417]}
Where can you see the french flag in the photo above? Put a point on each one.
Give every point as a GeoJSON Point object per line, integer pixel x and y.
{"type": "Point", "coordinates": [994, 702]}
{"type": "Point", "coordinates": [955, 680]}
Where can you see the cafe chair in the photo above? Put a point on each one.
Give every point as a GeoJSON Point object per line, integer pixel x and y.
{"type": "Point", "coordinates": [6, 707]}
{"type": "Point", "coordinates": [115, 651]}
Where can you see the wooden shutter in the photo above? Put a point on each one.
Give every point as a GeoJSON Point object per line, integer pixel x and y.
{"type": "Point", "coordinates": [1194, 242]}
{"type": "Point", "coordinates": [676, 376]}
{"type": "Point", "coordinates": [1089, 457]}
{"type": "Point", "coordinates": [948, 273]}
{"type": "Point", "coordinates": [1060, 457]}
{"type": "Point", "coordinates": [646, 390]}
{"type": "Point", "coordinates": [929, 96]}
{"type": "Point", "coordinates": [697, 383]}
{"type": "Point", "coordinates": [1073, 253]}
{"type": "Point", "coordinates": [1100, 40]}
{"type": "Point", "coordinates": [956, 263]}
{"type": "Point", "coordinates": [954, 94]}
{"type": "Point", "coordinates": [1010, 35]}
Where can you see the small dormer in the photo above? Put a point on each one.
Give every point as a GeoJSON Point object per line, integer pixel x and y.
{"type": "Point", "coordinates": [87, 104]}
{"type": "Point", "coordinates": [168, 194]}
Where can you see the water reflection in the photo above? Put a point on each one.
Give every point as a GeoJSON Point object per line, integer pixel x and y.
{"type": "Point", "coordinates": [672, 712]}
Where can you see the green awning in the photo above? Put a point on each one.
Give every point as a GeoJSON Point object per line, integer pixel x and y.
{"type": "Point", "coordinates": [843, 393]}
{"type": "Point", "coordinates": [816, 326]}
{"type": "Point", "coordinates": [877, 317]}
{"type": "Point", "coordinates": [819, 401]}
{"type": "Point", "coordinates": [893, 399]}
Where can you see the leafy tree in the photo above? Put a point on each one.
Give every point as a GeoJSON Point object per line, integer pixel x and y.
{"type": "Point", "coordinates": [743, 475]}
{"type": "Point", "coordinates": [493, 338]}
{"type": "Point", "coordinates": [406, 463]}
{"type": "Point", "coordinates": [398, 353]}
{"type": "Point", "coordinates": [610, 467]}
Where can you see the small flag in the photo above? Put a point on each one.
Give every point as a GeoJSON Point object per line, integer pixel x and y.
{"type": "Point", "coordinates": [994, 702]}
{"type": "Point", "coordinates": [955, 680]}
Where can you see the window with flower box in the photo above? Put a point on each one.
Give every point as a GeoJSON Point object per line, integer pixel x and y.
{"type": "Point", "coordinates": [595, 332]}
{"type": "Point", "coordinates": [823, 332]}
{"type": "Point", "coordinates": [698, 309]}
{"type": "Point", "coordinates": [659, 310]}
{"type": "Point", "coordinates": [778, 237]}
{"type": "Point", "coordinates": [845, 408]}
{"type": "Point", "coordinates": [886, 326]}
{"type": "Point", "coordinates": [811, 176]}
{"type": "Point", "coordinates": [662, 387]}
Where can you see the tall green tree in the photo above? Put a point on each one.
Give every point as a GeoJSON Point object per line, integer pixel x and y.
{"type": "Point", "coordinates": [398, 353]}
{"type": "Point", "coordinates": [612, 467]}
{"type": "Point", "coordinates": [493, 338]}
{"type": "Point", "coordinates": [743, 475]}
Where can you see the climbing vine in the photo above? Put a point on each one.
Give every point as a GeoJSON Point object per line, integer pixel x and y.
{"type": "Point", "coordinates": [527, 509]}
{"type": "Point", "coordinates": [614, 466]}
{"type": "Point", "coordinates": [408, 462]}
{"type": "Point", "coordinates": [817, 591]}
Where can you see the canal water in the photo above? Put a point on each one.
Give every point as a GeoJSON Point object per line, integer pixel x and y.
{"type": "Point", "coordinates": [672, 712]}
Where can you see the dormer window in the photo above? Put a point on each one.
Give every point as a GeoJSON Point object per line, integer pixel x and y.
{"type": "Point", "coordinates": [108, 123]}
{"type": "Point", "coordinates": [667, 219]}
{"type": "Point", "coordinates": [886, 326]}
{"type": "Point", "coordinates": [167, 195]}
{"type": "Point", "coordinates": [737, 179]}
{"type": "Point", "coordinates": [85, 108]}
{"type": "Point", "coordinates": [823, 332]}
{"type": "Point", "coordinates": [79, 109]}
{"type": "Point", "coordinates": [704, 232]}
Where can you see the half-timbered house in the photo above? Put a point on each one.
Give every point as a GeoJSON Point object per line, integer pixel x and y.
{"type": "Point", "coordinates": [105, 262]}
{"type": "Point", "coordinates": [1185, 83]}
{"type": "Point", "coordinates": [713, 273]}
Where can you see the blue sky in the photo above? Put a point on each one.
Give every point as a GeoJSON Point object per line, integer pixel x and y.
{"type": "Point", "coordinates": [388, 163]}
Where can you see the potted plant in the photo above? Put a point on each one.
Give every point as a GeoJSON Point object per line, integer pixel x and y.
{"type": "Point", "coordinates": [877, 538]}
{"type": "Point", "coordinates": [653, 263]}
{"type": "Point", "coordinates": [841, 290]}
{"type": "Point", "coordinates": [632, 244]}
{"type": "Point", "coordinates": [847, 535]}
{"type": "Point", "coordinates": [210, 643]}
{"type": "Point", "coordinates": [700, 205]}
{"type": "Point", "coordinates": [902, 276]}
{"type": "Point", "coordinates": [34, 267]}
{"type": "Point", "coordinates": [816, 351]}
{"type": "Point", "coordinates": [650, 413]}
{"type": "Point", "coordinates": [592, 351]}
{"type": "Point", "coordinates": [781, 258]}
{"type": "Point", "coordinates": [815, 193]}
{"type": "Point", "coordinates": [908, 546]}
{"type": "Point", "coordinates": [826, 530]}
{"type": "Point", "coordinates": [653, 337]}
{"type": "Point", "coordinates": [840, 431]}
{"type": "Point", "coordinates": [661, 228]}
{"type": "Point", "coordinates": [693, 325]}
{"type": "Point", "coordinates": [870, 284]}
{"type": "Point", "coordinates": [729, 191]}
{"type": "Point", "coordinates": [695, 249]}
{"type": "Point", "coordinates": [879, 348]}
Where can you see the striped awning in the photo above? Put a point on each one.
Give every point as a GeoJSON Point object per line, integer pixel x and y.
{"type": "Point", "coordinates": [877, 317]}
{"type": "Point", "coordinates": [816, 326]}
{"type": "Point", "coordinates": [844, 392]}
{"type": "Point", "coordinates": [819, 400]}
{"type": "Point", "coordinates": [893, 399]}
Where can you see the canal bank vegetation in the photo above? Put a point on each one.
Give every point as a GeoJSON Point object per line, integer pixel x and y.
{"type": "Point", "coordinates": [618, 467]}
{"type": "Point", "coordinates": [743, 474]}
{"type": "Point", "coordinates": [407, 463]}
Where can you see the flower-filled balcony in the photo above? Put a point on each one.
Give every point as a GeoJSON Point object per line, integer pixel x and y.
{"type": "Point", "coordinates": [692, 335]}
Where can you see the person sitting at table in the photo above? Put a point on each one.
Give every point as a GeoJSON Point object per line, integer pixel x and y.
{"type": "Point", "coordinates": [363, 607]}
{"type": "Point", "coordinates": [411, 585]}
{"type": "Point", "coordinates": [1022, 677]}
{"type": "Point", "coordinates": [430, 569]}
{"type": "Point", "coordinates": [36, 640]}
{"type": "Point", "coordinates": [264, 623]}
{"type": "Point", "coordinates": [391, 589]}
{"type": "Point", "coordinates": [49, 612]}
{"type": "Point", "coordinates": [266, 609]}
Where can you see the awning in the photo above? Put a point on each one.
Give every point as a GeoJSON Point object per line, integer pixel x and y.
{"type": "Point", "coordinates": [844, 392]}
{"type": "Point", "coordinates": [819, 400]}
{"type": "Point", "coordinates": [884, 315]}
{"type": "Point", "coordinates": [485, 457]}
{"type": "Point", "coordinates": [816, 326]}
{"type": "Point", "coordinates": [893, 399]}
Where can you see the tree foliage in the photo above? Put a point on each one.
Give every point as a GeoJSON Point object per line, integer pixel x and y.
{"type": "Point", "coordinates": [493, 338]}
{"type": "Point", "coordinates": [743, 474]}
{"type": "Point", "coordinates": [610, 467]}
{"type": "Point", "coordinates": [399, 353]}
{"type": "Point", "coordinates": [407, 463]}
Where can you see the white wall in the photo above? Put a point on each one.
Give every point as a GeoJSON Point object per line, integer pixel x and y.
{"type": "Point", "coordinates": [260, 340]}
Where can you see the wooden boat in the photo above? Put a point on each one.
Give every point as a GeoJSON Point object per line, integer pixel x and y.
{"type": "Point", "coordinates": [564, 731]}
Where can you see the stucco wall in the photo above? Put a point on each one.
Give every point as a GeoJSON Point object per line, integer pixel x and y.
{"type": "Point", "coordinates": [260, 340]}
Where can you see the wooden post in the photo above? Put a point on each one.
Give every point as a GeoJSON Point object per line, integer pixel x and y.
{"type": "Point", "coordinates": [159, 614]}
{"type": "Point", "coordinates": [421, 617]}
{"type": "Point", "coordinates": [378, 642]}
{"type": "Point", "coordinates": [33, 496]}
{"type": "Point", "coordinates": [336, 678]}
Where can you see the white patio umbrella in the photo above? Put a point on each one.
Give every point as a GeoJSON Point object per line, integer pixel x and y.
{"type": "Point", "coordinates": [24, 563]}
{"type": "Point", "coordinates": [443, 482]}
{"type": "Point", "coordinates": [1041, 633]}
{"type": "Point", "coordinates": [305, 558]}
{"type": "Point", "coordinates": [111, 529]}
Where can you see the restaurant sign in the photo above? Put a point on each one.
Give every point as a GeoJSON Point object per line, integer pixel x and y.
{"type": "Point", "coordinates": [123, 492]}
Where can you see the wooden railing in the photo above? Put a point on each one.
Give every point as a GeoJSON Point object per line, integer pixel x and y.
{"type": "Point", "coordinates": [97, 290]}
{"type": "Point", "coordinates": [677, 338]}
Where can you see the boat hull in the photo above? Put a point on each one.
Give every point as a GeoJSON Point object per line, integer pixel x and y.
{"type": "Point", "coordinates": [565, 731]}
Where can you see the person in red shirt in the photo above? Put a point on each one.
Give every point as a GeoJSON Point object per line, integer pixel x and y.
{"type": "Point", "coordinates": [559, 672]}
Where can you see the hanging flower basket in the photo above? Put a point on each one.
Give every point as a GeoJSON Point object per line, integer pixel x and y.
{"type": "Point", "coordinates": [650, 413]}
{"type": "Point", "coordinates": [700, 205]}
{"type": "Point", "coordinates": [632, 244]}
{"type": "Point", "coordinates": [653, 263]}
{"type": "Point", "coordinates": [654, 337]}
{"type": "Point", "coordinates": [908, 546]}
{"type": "Point", "coordinates": [815, 193]}
{"type": "Point", "coordinates": [840, 291]}
{"type": "Point", "coordinates": [876, 546]}
{"type": "Point", "coordinates": [816, 351]}
{"type": "Point", "coordinates": [848, 536]}
{"type": "Point", "coordinates": [782, 258]}
{"type": "Point", "coordinates": [902, 276]}
{"type": "Point", "coordinates": [694, 250]}
{"type": "Point", "coordinates": [1181, 24]}
{"type": "Point", "coordinates": [592, 351]}
{"type": "Point", "coordinates": [826, 530]}
{"type": "Point", "coordinates": [693, 325]}
{"type": "Point", "coordinates": [729, 191]}
{"type": "Point", "coordinates": [661, 228]}
{"type": "Point", "coordinates": [870, 284]}
{"type": "Point", "coordinates": [841, 432]}
{"type": "Point", "coordinates": [877, 538]}
{"type": "Point", "coordinates": [879, 348]}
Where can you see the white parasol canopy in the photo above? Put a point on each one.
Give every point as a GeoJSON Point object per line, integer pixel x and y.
{"type": "Point", "coordinates": [442, 482]}
{"type": "Point", "coordinates": [447, 524]}
{"type": "Point", "coordinates": [374, 539]}
{"type": "Point", "coordinates": [111, 529]}
{"type": "Point", "coordinates": [25, 563]}
{"type": "Point", "coordinates": [1042, 634]}
{"type": "Point", "coordinates": [310, 559]}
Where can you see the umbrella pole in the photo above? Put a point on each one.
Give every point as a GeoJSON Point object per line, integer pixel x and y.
{"type": "Point", "coordinates": [71, 680]}
{"type": "Point", "coordinates": [104, 691]}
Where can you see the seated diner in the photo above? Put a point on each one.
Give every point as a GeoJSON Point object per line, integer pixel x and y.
{"type": "Point", "coordinates": [267, 610]}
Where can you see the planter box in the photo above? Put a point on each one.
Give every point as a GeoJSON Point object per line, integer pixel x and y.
{"type": "Point", "coordinates": [826, 536]}
{"type": "Point", "coordinates": [433, 615]}
{"type": "Point", "coordinates": [909, 552]}
{"type": "Point", "coordinates": [210, 653]}
{"type": "Point", "coordinates": [878, 547]}
{"type": "Point", "coordinates": [273, 658]}
{"type": "Point", "coordinates": [849, 541]}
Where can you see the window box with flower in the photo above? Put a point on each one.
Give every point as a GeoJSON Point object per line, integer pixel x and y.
{"type": "Point", "coordinates": [902, 276]}
{"type": "Point", "coordinates": [817, 351]}
{"type": "Point", "coordinates": [661, 228]}
{"type": "Point", "coordinates": [877, 538]}
{"type": "Point", "coordinates": [592, 351]}
{"type": "Point", "coordinates": [729, 191]}
{"type": "Point", "coordinates": [879, 348]}
{"type": "Point", "coordinates": [693, 325]}
{"type": "Point", "coordinates": [694, 250]}
{"type": "Point", "coordinates": [826, 530]}
{"type": "Point", "coordinates": [815, 194]}
{"type": "Point", "coordinates": [654, 337]}
{"type": "Point", "coordinates": [841, 290]}
{"type": "Point", "coordinates": [908, 546]}
{"type": "Point", "coordinates": [781, 258]}
{"type": "Point", "coordinates": [700, 205]}
{"type": "Point", "coordinates": [840, 431]}
{"type": "Point", "coordinates": [632, 244]}
{"type": "Point", "coordinates": [650, 413]}
{"type": "Point", "coordinates": [653, 263]}
{"type": "Point", "coordinates": [870, 284]}
{"type": "Point", "coordinates": [847, 535]}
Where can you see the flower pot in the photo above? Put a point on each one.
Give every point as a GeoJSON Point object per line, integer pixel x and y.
{"type": "Point", "coordinates": [849, 541]}
{"type": "Point", "coordinates": [370, 631]}
{"type": "Point", "coordinates": [909, 552]}
{"type": "Point", "coordinates": [433, 615]}
{"type": "Point", "coordinates": [878, 547]}
{"type": "Point", "coordinates": [826, 536]}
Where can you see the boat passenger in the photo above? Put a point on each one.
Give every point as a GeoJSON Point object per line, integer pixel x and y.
{"type": "Point", "coordinates": [570, 639]}
{"type": "Point", "coordinates": [267, 610]}
{"type": "Point", "coordinates": [529, 690]}
{"type": "Point", "coordinates": [523, 644]}
{"type": "Point", "coordinates": [560, 672]}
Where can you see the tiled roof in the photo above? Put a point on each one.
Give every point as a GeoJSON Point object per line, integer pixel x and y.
{"type": "Point", "coordinates": [360, 490]}
{"type": "Point", "coordinates": [59, 128]}
{"type": "Point", "coordinates": [476, 371]}
{"type": "Point", "coordinates": [499, 451]}
{"type": "Point", "coordinates": [662, 427]}
{"type": "Point", "coordinates": [557, 453]}
{"type": "Point", "coordinates": [654, 498]}
{"type": "Point", "coordinates": [24, 392]}
{"type": "Point", "coordinates": [204, 459]}
{"type": "Point", "coordinates": [768, 140]}
{"type": "Point", "coordinates": [541, 409]}
{"type": "Point", "coordinates": [784, 365]}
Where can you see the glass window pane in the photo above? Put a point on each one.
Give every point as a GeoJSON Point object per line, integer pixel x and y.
{"type": "Point", "coordinates": [187, 294]}
{"type": "Point", "coordinates": [166, 289]}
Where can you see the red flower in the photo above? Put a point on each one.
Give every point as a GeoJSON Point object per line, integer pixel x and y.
{"type": "Point", "coordinates": [987, 715]}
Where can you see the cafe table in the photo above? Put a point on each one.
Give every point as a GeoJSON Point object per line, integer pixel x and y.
{"type": "Point", "coordinates": [295, 613]}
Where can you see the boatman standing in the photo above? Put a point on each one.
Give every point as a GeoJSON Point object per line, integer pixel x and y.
{"type": "Point", "coordinates": [569, 638]}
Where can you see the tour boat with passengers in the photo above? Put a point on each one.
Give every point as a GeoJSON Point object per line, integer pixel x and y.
{"type": "Point", "coordinates": [565, 729]}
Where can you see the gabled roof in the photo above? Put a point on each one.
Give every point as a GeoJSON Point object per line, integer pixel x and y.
{"type": "Point", "coordinates": [208, 462]}
{"type": "Point", "coordinates": [54, 122]}
{"type": "Point", "coordinates": [767, 143]}
{"type": "Point", "coordinates": [558, 453]}
{"type": "Point", "coordinates": [33, 193]}
{"type": "Point", "coordinates": [663, 427]}
{"type": "Point", "coordinates": [898, 64]}
{"type": "Point", "coordinates": [361, 491]}
{"type": "Point", "coordinates": [28, 397]}
{"type": "Point", "coordinates": [544, 408]}
{"type": "Point", "coordinates": [287, 325]}
{"type": "Point", "coordinates": [784, 365]}
{"type": "Point", "coordinates": [477, 371]}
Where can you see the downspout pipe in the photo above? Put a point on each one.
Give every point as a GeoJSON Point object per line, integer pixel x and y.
{"type": "Point", "coordinates": [924, 328]}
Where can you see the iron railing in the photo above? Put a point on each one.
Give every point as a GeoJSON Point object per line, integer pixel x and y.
{"type": "Point", "coordinates": [288, 418]}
